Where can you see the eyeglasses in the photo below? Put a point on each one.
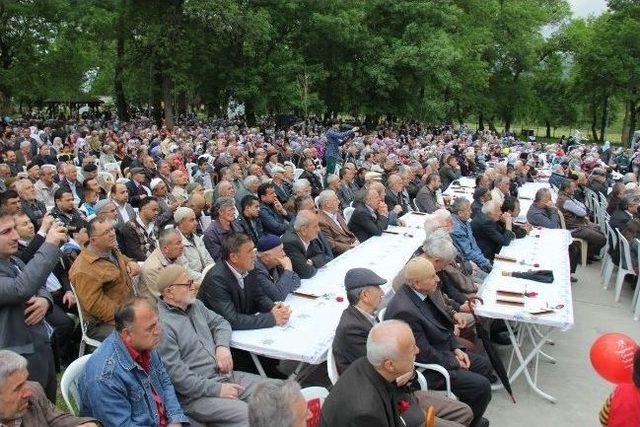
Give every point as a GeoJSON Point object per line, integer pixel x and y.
{"type": "Point", "coordinates": [188, 284]}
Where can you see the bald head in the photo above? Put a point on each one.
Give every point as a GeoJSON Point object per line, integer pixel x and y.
{"type": "Point", "coordinates": [391, 348]}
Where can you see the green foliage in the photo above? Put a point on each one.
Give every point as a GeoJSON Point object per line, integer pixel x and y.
{"type": "Point", "coordinates": [428, 60]}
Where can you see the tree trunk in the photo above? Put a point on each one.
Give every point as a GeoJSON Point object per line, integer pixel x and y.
{"type": "Point", "coordinates": [633, 119]}
{"type": "Point", "coordinates": [594, 118]}
{"type": "Point", "coordinates": [548, 125]}
{"type": "Point", "coordinates": [250, 113]}
{"type": "Point", "coordinates": [118, 86]}
{"type": "Point", "coordinates": [480, 121]}
{"type": "Point", "coordinates": [605, 118]}
{"type": "Point", "coordinates": [168, 102]}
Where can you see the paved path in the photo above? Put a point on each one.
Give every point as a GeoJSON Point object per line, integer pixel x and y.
{"type": "Point", "coordinates": [579, 390]}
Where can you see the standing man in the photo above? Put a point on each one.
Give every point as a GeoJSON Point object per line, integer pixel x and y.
{"type": "Point", "coordinates": [335, 139]}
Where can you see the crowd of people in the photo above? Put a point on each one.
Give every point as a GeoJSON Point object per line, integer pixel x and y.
{"type": "Point", "coordinates": [166, 241]}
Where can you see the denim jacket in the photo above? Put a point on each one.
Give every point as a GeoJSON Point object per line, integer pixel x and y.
{"type": "Point", "coordinates": [117, 391]}
{"type": "Point", "coordinates": [464, 241]}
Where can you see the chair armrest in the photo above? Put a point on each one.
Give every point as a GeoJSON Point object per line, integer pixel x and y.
{"type": "Point", "coordinates": [440, 369]}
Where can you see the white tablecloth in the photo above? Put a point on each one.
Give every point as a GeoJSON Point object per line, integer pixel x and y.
{"type": "Point", "coordinates": [311, 327]}
{"type": "Point", "coordinates": [550, 252]}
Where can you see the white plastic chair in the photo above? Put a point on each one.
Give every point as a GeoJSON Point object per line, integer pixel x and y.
{"type": "Point", "coordinates": [427, 366]}
{"type": "Point", "coordinates": [69, 384]}
{"type": "Point", "coordinates": [584, 245]}
{"type": "Point", "coordinates": [381, 314]}
{"type": "Point", "coordinates": [332, 369]}
{"type": "Point", "coordinates": [607, 262]}
{"type": "Point", "coordinates": [86, 340]}
{"type": "Point", "coordinates": [624, 267]}
{"type": "Point", "coordinates": [311, 393]}
{"type": "Point", "coordinates": [635, 302]}
{"type": "Point", "coordinates": [347, 212]}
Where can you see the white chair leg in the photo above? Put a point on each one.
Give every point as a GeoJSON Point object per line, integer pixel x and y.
{"type": "Point", "coordinates": [583, 250]}
{"type": "Point", "coordinates": [634, 301]}
{"type": "Point", "coordinates": [82, 347]}
{"type": "Point", "coordinates": [619, 281]}
{"type": "Point", "coordinates": [636, 310]}
{"type": "Point", "coordinates": [608, 272]}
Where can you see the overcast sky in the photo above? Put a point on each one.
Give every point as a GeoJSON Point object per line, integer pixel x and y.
{"type": "Point", "coordinates": [583, 8]}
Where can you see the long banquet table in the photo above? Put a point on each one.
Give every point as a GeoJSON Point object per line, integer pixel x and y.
{"type": "Point", "coordinates": [318, 304]}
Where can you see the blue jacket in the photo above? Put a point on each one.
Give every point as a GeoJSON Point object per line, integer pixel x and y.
{"type": "Point", "coordinates": [117, 391]}
{"type": "Point", "coordinates": [272, 221]}
{"type": "Point", "coordinates": [462, 237]}
{"type": "Point", "coordinates": [334, 140]}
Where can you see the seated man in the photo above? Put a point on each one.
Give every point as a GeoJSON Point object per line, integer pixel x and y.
{"type": "Point", "coordinates": [195, 352]}
{"type": "Point", "coordinates": [598, 181]}
{"type": "Point", "coordinates": [169, 251]}
{"type": "Point", "coordinates": [627, 208]}
{"type": "Point", "coordinates": [64, 210]}
{"type": "Point", "coordinates": [120, 197]}
{"type": "Point", "coordinates": [24, 301]}
{"type": "Point", "coordinates": [136, 189]}
{"type": "Point", "coordinates": [511, 205]}
{"type": "Point", "coordinates": [543, 213]}
{"type": "Point", "coordinates": [31, 206]}
{"type": "Point", "coordinates": [462, 235]}
{"type": "Point", "coordinates": [349, 344]}
{"type": "Point", "coordinates": [124, 381]}
{"type": "Point", "coordinates": [370, 217]}
{"type": "Point", "coordinates": [576, 218]}
{"type": "Point", "coordinates": [23, 403]}
{"type": "Point", "coordinates": [274, 271]}
{"type": "Point", "coordinates": [333, 225]}
{"type": "Point", "coordinates": [249, 218]}
{"type": "Point", "coordinates": [278, 404]}
{"type": "Point", "coordinates": [302, 245]}
{"type": "Point", "coordinates": [101, 276]}
{"type": "Point", "coordinates": [273, 216]}
{"type": "Point", "coordinates": [195, 256]}
{"type": "Point", "coordinates": [436, 342]}
{"type": "Point", "coordinates": [230, 288]}
{"type": "Point", "coordinates": [489, 236]}
{"type": "Point", "coordinates": [364, 395]}
{"type": "Point", "coordinates": [427, 199]}
{"type": "Point", "coordinates": [140, 234]}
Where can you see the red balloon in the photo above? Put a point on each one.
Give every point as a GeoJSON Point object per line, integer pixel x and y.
{"type": "Point", "coordinates": [612, 357]}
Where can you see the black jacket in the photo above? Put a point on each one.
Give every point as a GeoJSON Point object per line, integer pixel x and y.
{"type": "Point", "coordinates": [318, 252]}
{"type": "Point", "coordinates": [350, 340]}
{"type": "Point", "coordinates": [489, 236]}
{"type": "Point", "coordinates": [364, 224]}
{"type": "Point", "coordinates": [619, 219]}
{"type": "Point", "coordinates": [431, 325]}
{"type": "Point", "coordinates": [254, 231]}
{"type": "Point", "coordinates": [247, 308]}
{"type": "Point", "coordinates": [316, 185]}
{"type": "Point", "coordinates": [361, 397]}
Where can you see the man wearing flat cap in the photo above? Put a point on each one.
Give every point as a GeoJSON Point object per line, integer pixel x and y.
{"type": "Point", "coordinates": [274, 271]}
{"type": "Point", "coordinates": [350, 343]}
{"type": "Point", "coordinates": [195, 352]}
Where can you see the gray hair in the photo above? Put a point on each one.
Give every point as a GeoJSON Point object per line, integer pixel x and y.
{"type": "Point", "coordinates": [250, 181]}
{"type": "Point", "coordinates": [164, 237]}
{"type": "Point", "coordinates": [459, 203]}
{"type": "Point", "coordinates": [325, 196]}
{"type": "Point", "coordinates": [223, 202]}
{"type": "Point", "coordinates": [299, 185]}
{"type": "Point", "coordinates": [490, 206]}
{"type": "Point", "coordinates": [541, 194]}
{"type": "Point", "coordinates": [270, 403]}
{"type": "Point", "coordinates": [21, 184]}
{"type": "Point", "coordinates": [439, 245]}
{"type": "Point", "coordinates": [629, 177]}
{"type": "Point", "coordinates": [332, 178]}
{"type": "Point", "coordinates": [10, 363]}
{"type": "Point", "coordinates": [303, 218]}
{"type": "Point", "coordinates": [382, 345]}
{"type": "Point", "coordinates": [432, 221]}
{"type": "Point", "coordinates": [48, 166]}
